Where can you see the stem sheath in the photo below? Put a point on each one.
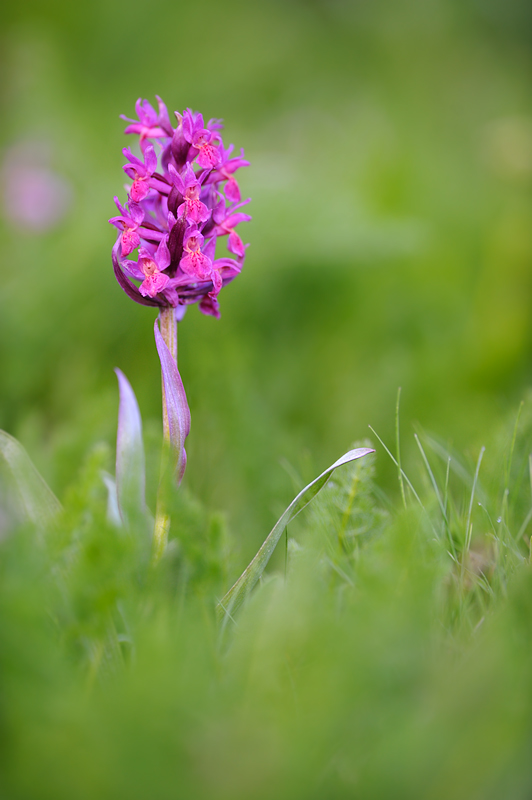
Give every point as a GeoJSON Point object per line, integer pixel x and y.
{"type": "Point", "coordinates": [168, 327]}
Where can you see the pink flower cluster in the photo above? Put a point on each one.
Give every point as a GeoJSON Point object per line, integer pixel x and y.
{"type": "Point", "coordinates": [184, 196]}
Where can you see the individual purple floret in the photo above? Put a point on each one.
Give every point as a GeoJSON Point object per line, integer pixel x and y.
{"type": "Point", "coordinates": [129, 223]}
{"type": "Point", "coordinates": [184, 196]}
{"type": "Point", "coordinates": [151, 125]}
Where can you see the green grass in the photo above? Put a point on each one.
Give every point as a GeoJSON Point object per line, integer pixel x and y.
{"type": "Point", "coordinates": [387, 653]}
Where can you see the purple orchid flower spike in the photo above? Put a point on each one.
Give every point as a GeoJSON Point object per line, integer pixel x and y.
{"type": "Point", "coordinates": [180, 205]}
{"type": "Point", "coordinates": [175, 216]}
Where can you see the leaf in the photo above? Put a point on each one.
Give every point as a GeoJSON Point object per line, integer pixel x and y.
{"type": "Point", "coordinates": [234, 598]}
{"type": "Point", "coordinates": [130, 470]}
{"type": "Point", "coordinates": [113, 511]}
{"type": "Point", "coordinates": [37, 500]}
{"type": "Point", "coordinates": [176, 403]}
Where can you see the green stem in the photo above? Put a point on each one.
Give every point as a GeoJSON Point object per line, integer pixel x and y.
{"type": "Point", "coordinates": [168, 326]}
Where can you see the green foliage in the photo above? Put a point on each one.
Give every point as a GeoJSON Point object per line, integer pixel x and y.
{"type": "Point", "coordinates": [241, 589]}
{"type": "Point", "coordinates": [198, 552]}
{"type": "Point", "coordinates": [390, 245]}
{"type": "Point", "coordinates": [390, 656]}
{"type": "Point", "coordinates": [380, 664]}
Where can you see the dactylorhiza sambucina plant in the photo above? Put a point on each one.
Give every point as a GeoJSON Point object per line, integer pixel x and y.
{"type": "Point", "coordinates": [184, 197]}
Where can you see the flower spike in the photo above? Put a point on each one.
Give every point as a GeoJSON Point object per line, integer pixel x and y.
{"type": "Point", "coordinates": [180, 203]}
{"type": "Point", "coordinates": [183, 200]}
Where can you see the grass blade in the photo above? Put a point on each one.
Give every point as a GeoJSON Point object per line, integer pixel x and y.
{"type": "Point", "coordinates": [244, 585]}
{"type": "Point", "coordinates": [470, 509]}
{"type": "Point", "coordinates": [38, 501]}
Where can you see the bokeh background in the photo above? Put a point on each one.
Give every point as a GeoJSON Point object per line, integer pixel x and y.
{"type": "Point", "coordinates": [391, 245]}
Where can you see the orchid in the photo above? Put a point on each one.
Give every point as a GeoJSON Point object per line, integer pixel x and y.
{"type": "Point", "coordinates": [140, 171]}
{"type": "Point", "coordinates": [188, 203]}
{"type": "Point", "coordinates": [184, 196]}
{"type": "Point", "coordinates": [152, 266]}
{"type": "Point", "coordinates": [202, 139]}
{"type": "Point", "coordinates": [189, 186]}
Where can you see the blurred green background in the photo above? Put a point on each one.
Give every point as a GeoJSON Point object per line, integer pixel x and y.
{"type": "Point", "coordinates": [391, 151]}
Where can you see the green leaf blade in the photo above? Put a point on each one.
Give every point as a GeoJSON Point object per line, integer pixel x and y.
{"type": "Point", "coordinates": [236, 595]}
{"type": "Point", "coordinates": [37, 501]}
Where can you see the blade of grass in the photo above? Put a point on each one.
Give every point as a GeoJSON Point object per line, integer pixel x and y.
{"type": "Point", "coordinates": [397, 465]}
{"type": "Point", "coordinates": [236, 595]}
{"type": "Point", "coordinates": [38, 501]}
{"type": "Point", "coordinates": [446, 490]}
{"type": "Point", "coordinates": [524, 526]}
{"type": "Point", "coordinates": [470, 509]}
{"type": "Point", "coordinates": [436, 491]}
{"type": "Point", "coordinates": [431, 476]}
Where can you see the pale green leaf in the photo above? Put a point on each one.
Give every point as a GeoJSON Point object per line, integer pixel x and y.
{"type": "Point", "coordinates": [37, 501]}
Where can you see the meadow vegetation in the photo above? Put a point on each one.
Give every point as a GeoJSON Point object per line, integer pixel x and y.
{"type": "Point", "coordinates": [386, 650]}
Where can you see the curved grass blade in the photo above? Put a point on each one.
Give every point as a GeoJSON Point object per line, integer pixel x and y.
{"type": "Point", "coordinates": [234, 598]}
{"type": "Point", "coordinates": [37, 500]}
{"type": "Point", "coordinates": [130, 469]}
{"type": "Point", "coordinates": [176, 403]}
